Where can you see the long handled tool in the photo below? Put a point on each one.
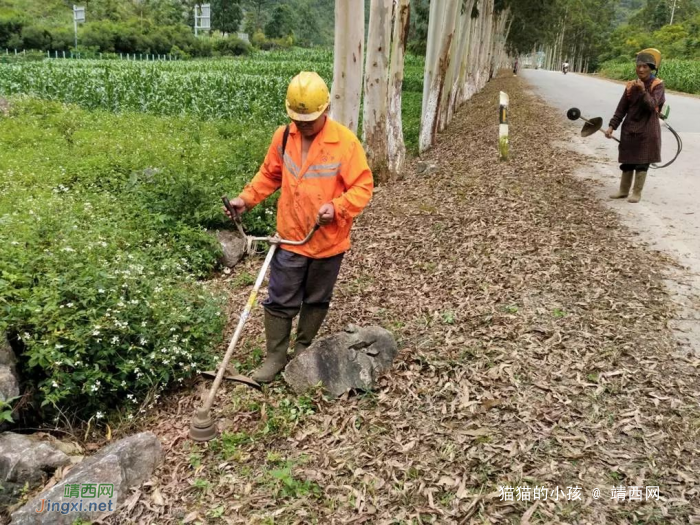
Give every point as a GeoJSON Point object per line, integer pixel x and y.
{"type": "Point", "coordinates": [590, 126]}
{"type": "Point", "coordinates": [203, 427]}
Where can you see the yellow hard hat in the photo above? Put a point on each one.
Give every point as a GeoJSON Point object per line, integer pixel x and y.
{"type": "Point", "coordinates": [307, 97]}
{"type": "Point", "coordinates": [653, 52]}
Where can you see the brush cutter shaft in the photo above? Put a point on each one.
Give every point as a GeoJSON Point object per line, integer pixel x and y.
{"type": "Point", "coordinates": [275, 243]}
{"type": "Point", "coordinates": [239, 329]}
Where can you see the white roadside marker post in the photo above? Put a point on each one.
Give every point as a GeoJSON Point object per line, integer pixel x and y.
{"type": "Point", "coordinates": [503, 126]}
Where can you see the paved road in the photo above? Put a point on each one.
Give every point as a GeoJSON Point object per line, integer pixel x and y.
{"type": "Point", "coordinates": [668, 217]}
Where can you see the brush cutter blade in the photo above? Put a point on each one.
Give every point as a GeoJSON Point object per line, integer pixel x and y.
{"type": "Point", "coordinates": [238, 378]}
{"type": "Point", "coordinates": [591, 126]}
{"type": "Point", "coordinates": [573, 114]}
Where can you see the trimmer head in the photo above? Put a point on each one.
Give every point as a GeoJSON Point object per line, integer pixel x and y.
{"type": "Point", "coordinates": [573, 114]}
{"type": "Point", "coordinates": [203, 427]}
{"type": "Point", "coordinates": [591, 126]}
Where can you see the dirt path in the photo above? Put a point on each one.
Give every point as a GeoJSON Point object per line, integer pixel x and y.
{"type": "Point", "coordinates": [535, 352]}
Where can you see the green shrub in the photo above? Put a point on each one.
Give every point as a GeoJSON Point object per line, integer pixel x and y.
{"type": "Point", "coordinates": [102, 258]}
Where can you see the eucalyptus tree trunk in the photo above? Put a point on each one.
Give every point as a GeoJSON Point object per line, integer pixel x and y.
{"type": "Point", "coordinates": [438, 68]}
{"type": "Point", "coordinates": [347, 62]}
{"type": "Point", "coordinates": [374, 121]}
{"type": "Point", "coordinates": [473, 54]}
{"type": "Point", "coordinates": [457, 66]}
{"type": "Point", "coordinates": [396, 148]}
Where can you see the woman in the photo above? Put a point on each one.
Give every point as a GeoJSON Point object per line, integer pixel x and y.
{"type": "Point", "coordinates": [640, 139]}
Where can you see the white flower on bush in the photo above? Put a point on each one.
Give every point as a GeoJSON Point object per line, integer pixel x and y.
{"type": "Point", "coordinates": [124, 384]}
{"type": "Point", "coordinates": [115, 340]}
{"type": "Point", "coordinates": [67, 249]}
{"type": "Point", "coordinates": [26, 335]}
{"type": "Point", "coordinates": [143, 342]}
{"type": "Point", "coordinates": [54, 384]}
{"type": "Point", "coordinates": [130, 417]}
{"type": "Point", "coordinates": [100, 291]}
{"type": "Point", "coordinates": [99, 415]}
{"type": "Point", "coordinates": [70, 305]}
{"type": "Point", "coordinates": [59, 346]}
{"type": "Point", "coordinates": [96, 332]}
{"type": "Point", "coordinates": [96, 386]}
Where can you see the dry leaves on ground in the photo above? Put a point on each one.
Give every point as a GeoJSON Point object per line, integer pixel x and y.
{"type": "Point", "coordinates": [534, 352]}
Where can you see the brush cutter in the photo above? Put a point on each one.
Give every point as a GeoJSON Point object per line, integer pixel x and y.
{"type": "Point", "coordinates": [595, 124]}
{"type": "Point", "coordinates": [203, 427]}
{"type": "Point", "coordinates": [590, 126]}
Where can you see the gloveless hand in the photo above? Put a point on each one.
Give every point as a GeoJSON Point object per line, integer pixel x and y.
{"type": "Point", "coordinates": [237, 204]}
{"type": "Point", "coordinates": [326, 214]}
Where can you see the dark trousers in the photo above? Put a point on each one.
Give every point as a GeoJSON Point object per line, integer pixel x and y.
{"type": "Point", "coordinates": [295, 279]}
{"type": "Point", "coordinates": [633, 167]}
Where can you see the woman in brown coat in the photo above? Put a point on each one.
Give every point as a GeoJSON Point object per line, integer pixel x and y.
{"type": "Point", "coordinates": [640, 138]}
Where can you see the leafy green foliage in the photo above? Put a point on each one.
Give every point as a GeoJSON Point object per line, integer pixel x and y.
{"type": "Point", "coordinates": [103, 205]}
{"type": "Point", "coordinates": [681, 75]}
{"type": "Point", "coordinates": [226, 15]}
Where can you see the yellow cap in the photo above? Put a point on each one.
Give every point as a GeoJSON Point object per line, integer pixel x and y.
{"type": "Point", "coordinates": [307, 97]}
{"type": "Point", "coordinates": [654, 53]}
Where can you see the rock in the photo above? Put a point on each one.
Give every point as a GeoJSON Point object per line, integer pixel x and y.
{"type": "Point", "coordinates": [124, 464]}
{"type": "Point", "coordinates": [426, 168]}
{"type": "Point", "coordinates": [349, 360]}
{"type": "Point", "coordinates": [233, 246]}
{"type": "Point", "coordinates": [9, 380]}
{"type": "Point", "coordinates": [25, 460]}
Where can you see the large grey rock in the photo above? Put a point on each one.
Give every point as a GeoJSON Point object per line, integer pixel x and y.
{"type": "Point", "coordinates": [9, 380]}
{"type": "Point", "coordinates": [124, 464]}
{"type": "Point", "coordinates": [349, 360]}
{"type": "Point", "coordinates": [25, 460]}
{"type": "Point", "coordinates": [233, 247]}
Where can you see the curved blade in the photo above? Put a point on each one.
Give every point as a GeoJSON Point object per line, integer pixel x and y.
{"type": "Point", "coordinates": [238, 378]}
{"type": "Point", "coordinates": [591, 126]}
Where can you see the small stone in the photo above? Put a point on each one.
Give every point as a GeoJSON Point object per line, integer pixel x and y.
{"type": "Point", "coordinates": [233, 247]}
{"type": "Point", "coordinates": [9, 380]}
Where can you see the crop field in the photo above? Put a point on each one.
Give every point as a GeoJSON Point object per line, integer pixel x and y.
{"type": "Point", "coordinates": [110, 179]}
{"type": "Point", "coordinates": [680, 75]}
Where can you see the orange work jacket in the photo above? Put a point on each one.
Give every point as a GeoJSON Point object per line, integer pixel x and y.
{"type": "Point", "coordinates": [335, 171]}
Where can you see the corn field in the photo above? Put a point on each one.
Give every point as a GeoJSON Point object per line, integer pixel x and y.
{"type": "Point", "coordinates": [247, 89]}
{"type": "Point", "coordinates": [681, 75]}
{"type": "Point", "coordinates": [250, 88]}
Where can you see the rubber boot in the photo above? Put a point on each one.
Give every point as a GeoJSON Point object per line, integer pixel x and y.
{"type": "Point", "coordinates": [625, 183]}
{"type": "Point", "coordinates": [639, 181]}
{"type": "Point", "coordinates": [310, 321]}
{"type": "Point", "coordinates": [277, 331]}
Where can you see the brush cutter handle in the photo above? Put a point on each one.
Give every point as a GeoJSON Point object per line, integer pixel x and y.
{"type": "Point", "coordinates": [235, 216]}
{"type": "Point", "coordinates": [297, 243]}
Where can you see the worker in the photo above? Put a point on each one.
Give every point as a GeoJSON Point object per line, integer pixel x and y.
{"type": "Point", "coordinates": [322, 171]}
{"type": "Point", "coordinates": [640, 138]}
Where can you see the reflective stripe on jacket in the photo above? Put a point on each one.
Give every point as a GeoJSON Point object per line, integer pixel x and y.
{"type": "Point", "coordinates": [336, 171]}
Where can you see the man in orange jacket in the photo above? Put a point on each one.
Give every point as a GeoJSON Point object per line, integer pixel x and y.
{"type": "Point", "coordinates": [322, 172]}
